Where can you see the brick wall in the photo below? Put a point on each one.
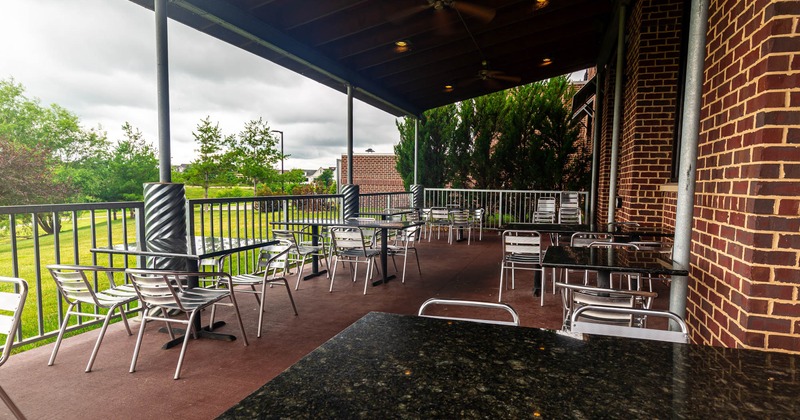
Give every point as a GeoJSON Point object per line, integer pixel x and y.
{"type": "Point", "coordinates": [374, 172]}
{"type": "Point", "coordinates": [652, 55]}
{"type": "Point", "coordinates": [746, 244]}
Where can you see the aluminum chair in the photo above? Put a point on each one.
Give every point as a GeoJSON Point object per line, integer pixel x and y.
{"type": "Point", "coordinates": [521, 251]}
{"type": "Point", "coordinates": [580, 326]}
{"type": "Point", "coordinates": [11, 306]}
{"type": "Point", "coordinates": [271, 261]}
{"type": "Point", "coordinates": [301, 251]}
{"type": "Point", "coordinates": [583, 240]}
{"type": "Point", "coordinates": [545, 210]}
{"type": "Point", "coordinates": [405, 242]}
{"type": "Point", "coordinates": [576, 296]}
{"type": "Point", "coordinates": [470, 303]}
{"type": "Point", "coordinates": [166, 290]}
{"type": "Point", "coordinates": [349, 246]}
{"type": "Point", "coordinates": [459, 220]}
{"type": "Point", "coordinates": [76, 288]}
{"type": "Point", "coordinates": [630, 276]}
{"type": "Point", "coordinates": [438, 217]}
{"type": "Point", "coordinates": [569, 216]}
{"type": "Point", "coordinates": [477, 221]}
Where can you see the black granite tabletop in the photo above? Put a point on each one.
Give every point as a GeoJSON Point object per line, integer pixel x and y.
{"type": "Point", "coordinates": [623, 232]}
{"type": "Point", "coordinates": [612, 259]}
{"type": "Point", "coordinates": [393, 366]}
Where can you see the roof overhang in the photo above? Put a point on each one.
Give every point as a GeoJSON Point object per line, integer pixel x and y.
{"type": "Point", "coordinates": [342, 43]}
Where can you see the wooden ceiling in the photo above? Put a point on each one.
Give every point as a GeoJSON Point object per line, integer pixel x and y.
{"type": "Point", "coordinates": [340, 42]}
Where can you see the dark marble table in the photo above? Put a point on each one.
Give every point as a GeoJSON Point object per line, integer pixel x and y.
{"type": "Point", "coordinates": [394, 366]}
{"type": "Point", "coordinates": [620, 232]}
{"type": "Point", "coordinates": [612, 259]}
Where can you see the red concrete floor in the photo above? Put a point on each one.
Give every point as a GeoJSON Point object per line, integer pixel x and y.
{"type": "Point", "coordinates": [217, 374]}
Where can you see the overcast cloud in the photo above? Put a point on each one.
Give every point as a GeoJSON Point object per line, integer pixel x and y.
{"type": "Point", "coordinates": [96, 58]}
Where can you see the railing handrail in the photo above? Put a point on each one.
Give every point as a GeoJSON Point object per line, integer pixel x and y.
{"type": "Point", "coordinates": [50, 208]}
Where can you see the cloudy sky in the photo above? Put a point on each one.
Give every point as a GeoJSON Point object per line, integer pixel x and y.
{"type": "Point", "coordinates": [96, 58]}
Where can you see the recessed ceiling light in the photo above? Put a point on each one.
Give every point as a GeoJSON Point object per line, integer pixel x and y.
{"type": "Point", "coordinates": [402, 46]}
{"type": "Point", "coordinates": [546, 62]}
{"type": "Point", "coordinates": [448, 88]}
{"type": "Point", "coordinates": [538, 4]}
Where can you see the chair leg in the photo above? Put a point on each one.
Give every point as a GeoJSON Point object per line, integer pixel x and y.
{"type": "Point", "coordinates": [300, 271]}
{"type": "Point", "coordinates": [261, 308]}
{"type": "Point", "coordinates": [369, 271]}
{"type": "Point", "coordinates": [239, 315]}
{"type": "Point", "coordinates": [10, 404]}
{"type": "Point", "coordinates": [139, 343]}
{"type": "Point", "coordinates": [189, 328]}
{"type": "Point", "coordinates": [100, 337]}
{"type": "Point", "coordinates": [60, 335]}
{"type": "Point", "coordinates": [289, 290]}
{"type": "Point", "coordinates": [333, 275]}
{"type": "Point", "coordinates": [405, 263]}
{"type": "Point", "coordinates": [500, 293]}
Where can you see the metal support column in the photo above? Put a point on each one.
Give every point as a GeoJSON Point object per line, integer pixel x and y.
{"type": "Point", "coordinates": [416, 143]}
{"type": "Point", "coordinates": [350, 134]}
{"type": "Point", "coordinates": [596, 134]}
{"type": "Point", "coordinates": [619, 70]}
{"type": "Point", "coordinates": [162, 75]}
{"type": "Point", "coordinates": [689, 135]}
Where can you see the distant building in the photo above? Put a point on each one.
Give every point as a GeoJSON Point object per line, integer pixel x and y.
{"type": "Point", "coordinates": [180, 168]}
{"type": "Point", "coordinates": [373, 172]}
{"type": "Point", "coordinates": [313, 174]}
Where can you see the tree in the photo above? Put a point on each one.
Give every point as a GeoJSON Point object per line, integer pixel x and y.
{"type": "Point", "coordinates": [436, 130]}
{"type": "Point", "coordinates": [325, 179]}
{"type": "Point", "coordinates": [521, 138]}
{"type": "Point", "coordinates": [253, 153]}
{"type": "Point", "coordinates": [27, 176]}
{"type": "Point", "coordinates": [25, 121]}
{"type": "Point", "coordinates": [210, 165]}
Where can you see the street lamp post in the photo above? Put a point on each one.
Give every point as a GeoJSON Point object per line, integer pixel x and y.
{"type": "Point", "coordinates": [282, 180]}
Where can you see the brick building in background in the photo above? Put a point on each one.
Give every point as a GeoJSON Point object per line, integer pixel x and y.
{"type": "Point", "coordinates": [744, 283]}
{"type": "Point", "coordinates": [372, 172]}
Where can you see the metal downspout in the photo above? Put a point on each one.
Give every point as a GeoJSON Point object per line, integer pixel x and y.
{"type": "Point", "coordinates": [350, 134]}
{"type": "Point", "coordinates": [615, 134]}
{"type": "Point", "coordinates": [596, 134]}
{"type": "Point", "coordinates": [690, 135]}
{"type": "Point", "coordinates": [162, 76]}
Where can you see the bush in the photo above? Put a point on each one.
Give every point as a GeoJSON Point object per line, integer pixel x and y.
{"type": "Point", "coordinates": [234, 192]}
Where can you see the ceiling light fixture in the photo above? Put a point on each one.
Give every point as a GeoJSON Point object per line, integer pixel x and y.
{"type": "Point", "coordinates": [448, 88]}
{"type": "Point", "coordinates": [402, 46]}
{"type": "Point", "coordinates": [546, 62]}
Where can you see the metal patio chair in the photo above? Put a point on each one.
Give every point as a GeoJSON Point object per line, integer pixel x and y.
{"type": "Point", "coordinates": [271, 261]}
{"type": "Point", "coordinates": [545, 210]}
{"type": "Point", "coordinates": [349, 246]}
{"type": "Point", "coordinates": [405, 242]}
{"type": "Point", "coordinates": [470, 303]}
{"type": "Point", "coordinates": [166, 290]}
{"type": "Point", "coordinates": [576, 296]}
{"type": "Point", "coordinates": [439, 217]}
{"type": "Point", "coordinates": [477, 221]}
{"type": "Point", "coordinates": [522, 250]}
{"type": "Point", "coordinates": [301, 251]}
{"type": "Point", "coordinates": [76, 289]}
{"type": "Point", "coordinates": [11, 306]}
{"type": "Point", "coordinates": [578, 325]}
{"type": "Point", "coordinates": [459, 221]}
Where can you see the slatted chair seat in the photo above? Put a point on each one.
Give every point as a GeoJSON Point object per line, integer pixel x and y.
{"type": "Point", "coordinates": [300, 251]}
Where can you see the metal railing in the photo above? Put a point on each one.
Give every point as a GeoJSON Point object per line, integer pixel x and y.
{"type": "Point", "coordinates": [34, 236]}
{"type": "Point", "coordinates": [381, 201]}
{"type": "Point", "coordinates": [31, 237]}
{"type": "Point", "coordinates": [501, 206]}
{"type": "Point", "coordinates": [254, 218]}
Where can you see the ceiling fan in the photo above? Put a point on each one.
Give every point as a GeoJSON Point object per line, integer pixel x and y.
{"type": "Point", "coordinates": [482, 13]}
{"type": "Point", "coordinates": [487, 75]}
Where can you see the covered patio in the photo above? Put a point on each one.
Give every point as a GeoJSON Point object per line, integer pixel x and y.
{"type": "Point", "coordinates": [217, 374]}
{"type": "Point", "coordinates": [694, 130]}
